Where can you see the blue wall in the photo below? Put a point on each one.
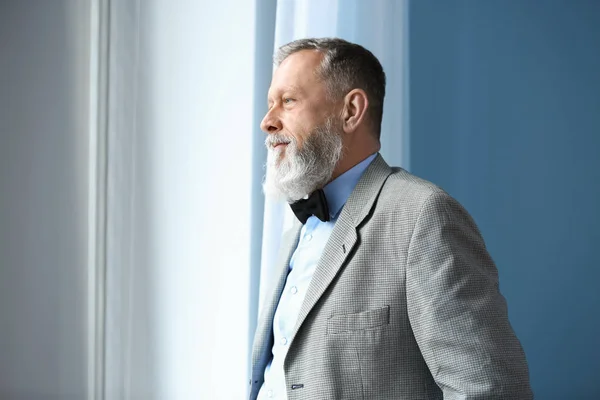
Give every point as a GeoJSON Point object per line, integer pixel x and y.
{"type": "Point", "coordinates": [505, 115]}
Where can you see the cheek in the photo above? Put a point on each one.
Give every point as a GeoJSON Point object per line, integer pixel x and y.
{"type": "Point", "coordinates": [298, 131]}
{"type": "Point", "coordinates": [299, 124]}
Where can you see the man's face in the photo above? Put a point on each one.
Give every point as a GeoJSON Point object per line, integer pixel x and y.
{"type": "Point", "coordinates": [303, 133]}
{"type": "Point", "coordinates": [297, 100]}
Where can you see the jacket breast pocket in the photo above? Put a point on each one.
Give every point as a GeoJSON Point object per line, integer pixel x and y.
{"type": "Point", "coordinates": [358, 321]}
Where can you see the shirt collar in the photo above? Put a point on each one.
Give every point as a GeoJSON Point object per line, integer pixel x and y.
{"type": "Point", "coordinates": [338, 190]}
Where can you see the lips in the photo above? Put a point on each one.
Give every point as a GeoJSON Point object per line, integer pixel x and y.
{"type": "Point", "coordinates": [279, 145]}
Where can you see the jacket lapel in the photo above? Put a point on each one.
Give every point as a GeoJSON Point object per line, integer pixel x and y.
{"type": "Point", "coordinates": [262, 339]}
{"type": "Point", "coordinates": [344, 235]}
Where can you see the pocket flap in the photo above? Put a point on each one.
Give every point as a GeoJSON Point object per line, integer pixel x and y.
{"type": "Point", "coordinates": [358, 321]}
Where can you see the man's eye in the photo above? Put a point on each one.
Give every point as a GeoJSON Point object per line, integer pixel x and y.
{"type": "Point", "coordinates": [287, 100]}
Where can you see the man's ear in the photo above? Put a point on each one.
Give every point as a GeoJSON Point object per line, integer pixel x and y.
{"type": "Point", "coordinates": [355, 109]}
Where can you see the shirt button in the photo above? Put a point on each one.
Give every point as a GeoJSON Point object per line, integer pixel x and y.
{"type": "Point", "coordinates": [270, 393]}
{"type": "Point", "coordinates": [294, 290]}
{"type": "Point", "coordinates": [308, 237]}
{"type": "Point", "coordinates": [283, 341]}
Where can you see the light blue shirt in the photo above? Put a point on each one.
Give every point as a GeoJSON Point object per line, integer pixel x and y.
{"type": "Point", "coordinates": [313, 238]}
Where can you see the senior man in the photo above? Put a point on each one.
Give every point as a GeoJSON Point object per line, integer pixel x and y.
{"type": "Point", "coordinates": [384, 287]}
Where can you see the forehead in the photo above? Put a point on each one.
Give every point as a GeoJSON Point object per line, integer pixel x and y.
{"type": "Point", "coordinates": [297, 71]}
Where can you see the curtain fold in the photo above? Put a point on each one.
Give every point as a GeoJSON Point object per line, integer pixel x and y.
{"type": "Point", "coordinates": [180, 184]}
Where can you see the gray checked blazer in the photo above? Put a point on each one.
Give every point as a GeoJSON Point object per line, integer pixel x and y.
{"type": "Point", "coordinates": [404, 304]}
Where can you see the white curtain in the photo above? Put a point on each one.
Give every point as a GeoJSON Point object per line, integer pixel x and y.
{"type": "Point", "coordinates": [179, 183]}
{"type": "Point", "coordinates": [188, 237]}
{"type": "Point", "coordinates": [380, 26]}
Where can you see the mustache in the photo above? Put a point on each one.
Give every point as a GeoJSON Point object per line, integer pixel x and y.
{"type": "Point", "coordinates": [274, 139]}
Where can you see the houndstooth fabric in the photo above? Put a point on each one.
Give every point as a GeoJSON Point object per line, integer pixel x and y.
{"type": "Point", "coordinates": [404, 304]}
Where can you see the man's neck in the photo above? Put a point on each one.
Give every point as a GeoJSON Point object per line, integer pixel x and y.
{"type": "Point", "coordinates": [350, 160]}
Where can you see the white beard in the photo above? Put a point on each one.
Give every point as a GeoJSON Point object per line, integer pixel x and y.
{"type": "Point", "coordinates": [304, 170]}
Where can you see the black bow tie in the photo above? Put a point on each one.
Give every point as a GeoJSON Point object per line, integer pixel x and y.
{"type": "Point", "coordinates": [316, 205]}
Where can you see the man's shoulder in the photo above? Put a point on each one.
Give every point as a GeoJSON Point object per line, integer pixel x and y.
{"type": "Point", "coordinates": [403, 184]}
{"type": "Point", "coordinates": [393, 191]}
{"type": "Point", "coordinates": [404, 191]}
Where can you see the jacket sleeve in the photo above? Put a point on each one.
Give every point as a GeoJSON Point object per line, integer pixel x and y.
{"type": "Point", "coordinates": [456, 311]}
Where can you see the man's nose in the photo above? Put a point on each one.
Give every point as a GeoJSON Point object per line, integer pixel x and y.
{"type": "Point", "coordinates": [270, 123]}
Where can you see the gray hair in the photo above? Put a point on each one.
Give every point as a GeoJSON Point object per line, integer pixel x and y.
{"type": "Point", "coordinates": [345, 66]}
